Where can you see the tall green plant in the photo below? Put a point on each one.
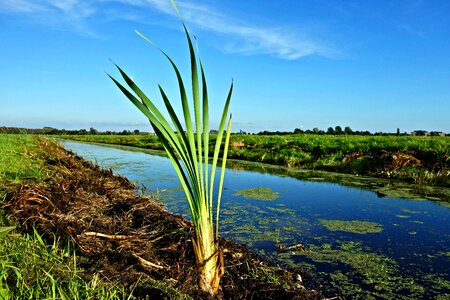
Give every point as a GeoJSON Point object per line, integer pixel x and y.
{"type": "Point", "coordinates": [188, 151]}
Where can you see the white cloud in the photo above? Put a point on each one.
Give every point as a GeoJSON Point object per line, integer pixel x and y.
{"type": "Point", "coordinates": [23, 6]}
{"type": "Point", "coordinates": [238, 37]}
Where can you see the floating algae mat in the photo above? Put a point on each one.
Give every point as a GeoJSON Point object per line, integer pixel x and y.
{"type": "Point", "coordinates": [362, 238]}
{"type": "Point", "coordinates": [265, 194]}
{"type": "Point", "coordinates": [354, 226]}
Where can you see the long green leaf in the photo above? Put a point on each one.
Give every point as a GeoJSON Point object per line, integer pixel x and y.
{"type": "Point", "coordinates": [219, 139]}
{"type": "Point", "coordinates": [197, 111]}
{"type": "Point", "coordinates": [206, 138]}
{"type": "Point", "coordinates": [222, 174]}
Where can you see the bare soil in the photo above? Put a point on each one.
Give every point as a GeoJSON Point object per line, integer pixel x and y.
{"type": "Point", "coordinates": [134, 240]}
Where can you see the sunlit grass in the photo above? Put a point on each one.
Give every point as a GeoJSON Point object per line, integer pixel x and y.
{"type": "Point", "coordinates": [17, 161]}
{"type": "Point", "coordinates": [30, 269]}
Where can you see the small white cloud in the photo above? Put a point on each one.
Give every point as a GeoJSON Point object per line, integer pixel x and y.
{"type": "Point", "coordinates": [21, 6]}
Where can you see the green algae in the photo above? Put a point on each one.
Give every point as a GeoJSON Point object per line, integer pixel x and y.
{"type": "Point", "coordinates": [402, 216]}
{"type": "Point", "coordinates": [409, 211]}
{"type": "Point", "coordinates": [354, 226]}
{"type": "Point", "coordinates": [438, 282]}
{"type": "Point", "coordinates": [289, 211]}
{"type": "Point", "coordinates": [416, 222]}
{"type": "Point", "coordinates": [444, 254]}
{"type": "Point", "coordinates": [377, 272]}
{"type": "Point", "coordinates": [264, 194]}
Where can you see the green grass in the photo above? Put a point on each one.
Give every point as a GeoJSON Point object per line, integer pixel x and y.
{"type": "Point", "coordinates": [18, 159]}
{"type": "Point", "coordinates": [346, 154]}
{"type": "Point", "coordinates": [30, 269]}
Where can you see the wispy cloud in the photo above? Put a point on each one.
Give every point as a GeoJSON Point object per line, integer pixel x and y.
{"type": "Point", "coordinates": [239, 37]}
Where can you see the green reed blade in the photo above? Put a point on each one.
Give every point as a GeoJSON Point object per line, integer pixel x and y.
{"type": "Point", "coordinates": [219, 139]}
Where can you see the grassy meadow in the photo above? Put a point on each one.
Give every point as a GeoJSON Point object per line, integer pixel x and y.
{"type": "Point", "coordinates": [420, 160]}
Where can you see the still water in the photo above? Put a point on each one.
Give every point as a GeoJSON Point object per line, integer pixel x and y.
{"type": "Point", "coordinates": [359, 245]}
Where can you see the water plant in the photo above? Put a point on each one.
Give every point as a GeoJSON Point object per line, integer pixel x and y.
{"type": "Point", "coordinates": [187, 149]}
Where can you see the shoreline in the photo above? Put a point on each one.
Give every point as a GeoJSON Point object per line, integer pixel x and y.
{"type": "Point", "coordinates": [414, 160]}
{"type": "Point", "coordinates": [382, 186]}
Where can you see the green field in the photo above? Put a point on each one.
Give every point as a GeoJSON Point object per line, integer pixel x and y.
{"type": "Point", "coordinates": [420, 160]}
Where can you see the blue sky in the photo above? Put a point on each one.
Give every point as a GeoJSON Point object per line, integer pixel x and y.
{"type": "Point", "coordinates": [370, 65]}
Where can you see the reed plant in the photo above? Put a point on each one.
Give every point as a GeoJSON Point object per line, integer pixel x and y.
{"type": "Point", "coordinates": [187, 148]}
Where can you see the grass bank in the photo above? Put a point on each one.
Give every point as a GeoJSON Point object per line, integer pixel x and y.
{"type": "Point", "coordinates": [419, 160]}
{"type": "Point", "coordinates": [29, 267]}
{"type": "Point", "coordinates": [85, 234]}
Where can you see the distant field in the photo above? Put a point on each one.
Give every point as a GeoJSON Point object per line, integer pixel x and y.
{"type": "Point", "coordinates": [422, 160]}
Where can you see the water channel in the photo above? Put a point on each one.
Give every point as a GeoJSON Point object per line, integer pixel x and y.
{"type": "Point", "coordinates": [359, 244]}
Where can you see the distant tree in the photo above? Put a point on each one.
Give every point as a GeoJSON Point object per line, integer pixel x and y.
{"type": "Point", "coordinates": [348, 130]}
{"type": "Point", "coordinates": [338, 130]}
{"type": "Point", "coordinates": [297, 131]}
{"type": "Point", "coordinates": [316, 130]}
{"type": "Point", "coordinates": [93, 131]}
{"type": "Point", "coordinates": [330, 130]}
{"type": "Point", "coordinates": [82, 131]}
{"type": "Point", "coordinates": [398, 131]}
{"type": "Point", "coordinates": [136, 131]}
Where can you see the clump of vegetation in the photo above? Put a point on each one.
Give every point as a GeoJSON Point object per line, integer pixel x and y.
{"type": "Point", "coordinates": [354, 226]}
{"type": "Point", "coordinates": [188, 150]}
{"type": "Point", "coordinates": [264, 194]}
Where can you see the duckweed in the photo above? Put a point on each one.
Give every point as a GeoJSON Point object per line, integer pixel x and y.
{"type": "Point", "coordinates": [377, 272]}
{"type": "Point", "coordinates": [264, 194]}
{"type": "Point", "coordinates": [416, 222]}
{"type": "Point", "coordinates": [403, 216]}
{"type": "Point", "coordinates": [409, 211]}
{"type": "Point", "coordinates": [354, 226]}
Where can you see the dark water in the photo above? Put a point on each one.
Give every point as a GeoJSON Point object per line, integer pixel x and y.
{"type": "Point", "coordinates": [408, 258]}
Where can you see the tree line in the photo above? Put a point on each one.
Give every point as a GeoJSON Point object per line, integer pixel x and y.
{"type": "Point", "coordinates": [55, 131]}
{"type": "Point", "coordinates": [337, 130]}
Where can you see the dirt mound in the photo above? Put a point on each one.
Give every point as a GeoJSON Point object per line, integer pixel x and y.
{"type": "Point", "coordinates": [391, 161]}
{"type": "Point", "coordinates": [131, 239]}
